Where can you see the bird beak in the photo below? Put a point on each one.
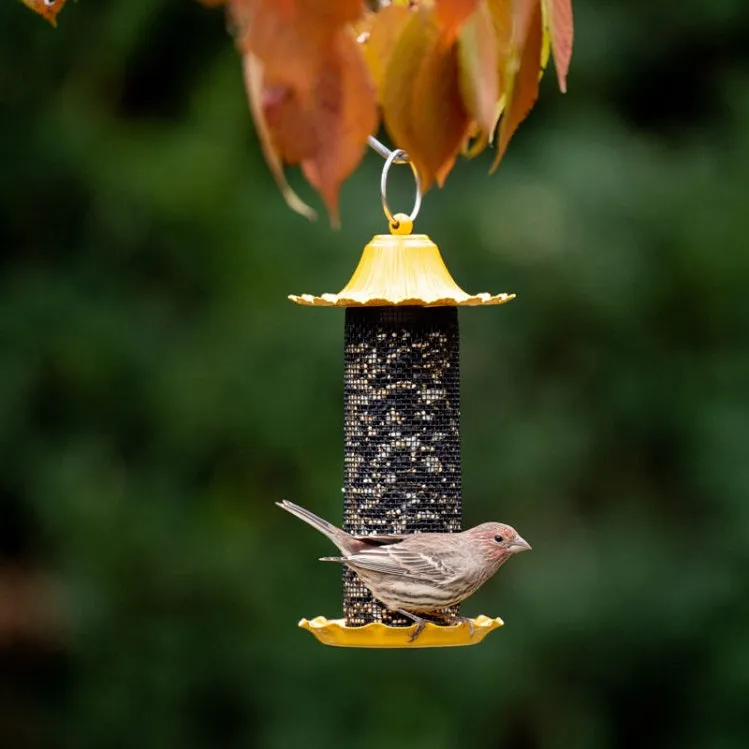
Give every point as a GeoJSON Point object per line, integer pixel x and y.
{"type": "Point", "coordinates": [519, 544]}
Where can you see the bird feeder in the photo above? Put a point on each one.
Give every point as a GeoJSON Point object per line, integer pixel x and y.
{"type": "Point", "coordinates": [402, 466]}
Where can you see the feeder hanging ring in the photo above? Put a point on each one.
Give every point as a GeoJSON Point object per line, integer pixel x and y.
{"type": "Point", "coordinates": [398, 156]}
{"type": "Point", "coordinates": [393, 159]}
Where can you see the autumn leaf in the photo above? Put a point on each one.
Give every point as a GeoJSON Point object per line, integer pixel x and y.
{"type": "Point", "coordinates": [309, 89]}
{"type": "Point", "coordinates": [511, 19]}
{"type": "Point", "coordinates": [290, 46]}
{"type": "Point", "coordinates": [421, 102]}
{"type": "Point", "coordinates": [521, 78]}
{"type": "Point", "coordinates": [381, 35]}
{"type": "Point", "coordinates": [501, 12]}
{"type": "Point", "coordinates": [478, 55]}
{"type": "Point", "coordinates": [415, 42]}
{"type": "Point", "coordinates": [343, 116]}
{"type": "Point", "coordinates": [440, 120]}
{"type": "Point", "coordinates": [558, 19]}
{"type": "Point", "coordinates": [443, 71]}
{"type": "Point", "coordinates": [330, 12]}
{"type": "Point", "coordinates": [325, 129]}
{"type": "Point", "coordinates": [47, 9]}
{"type": "Point", "coordinates": [475, 141]}
{"type": "Point", "coordinates": [291, 37]}
{"type": "Point", "coordinates": [254, 83]}
{"type": "Point", "coordinates": [452, 14]}
{"type": "Point", "coordinates": [286, 113]}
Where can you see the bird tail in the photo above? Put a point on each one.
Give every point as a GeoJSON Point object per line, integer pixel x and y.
{"type": "Point", "coordinates": [340, 538]}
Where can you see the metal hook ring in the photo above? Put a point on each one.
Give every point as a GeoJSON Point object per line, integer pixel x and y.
{"type": "Point", "coordinates": [399, 156]}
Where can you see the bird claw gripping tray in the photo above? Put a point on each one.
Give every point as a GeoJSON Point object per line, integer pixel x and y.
{"type": "Point", "coordinates": [402, 423]}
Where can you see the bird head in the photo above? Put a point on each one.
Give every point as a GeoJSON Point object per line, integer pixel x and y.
{"type": "Point", "coordinates": [499, 541]}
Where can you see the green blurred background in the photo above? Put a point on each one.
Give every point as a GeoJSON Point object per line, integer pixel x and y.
{"type": "Point", "coordinates": [158, 392]}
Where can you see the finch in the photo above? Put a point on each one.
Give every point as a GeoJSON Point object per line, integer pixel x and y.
{"type": "Point", "coordinates": [421, 573]}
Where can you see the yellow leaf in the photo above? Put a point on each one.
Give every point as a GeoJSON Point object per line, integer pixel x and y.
{"type": "Point", "coordinates": [501, 12]}
{"type": "Point", "coordinates": [522, 71]}
{"type": "Point", "coordinates": [381, 37]}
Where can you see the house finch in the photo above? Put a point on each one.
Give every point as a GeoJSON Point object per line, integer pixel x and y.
{"type": "Point", "coordinates": [421, 573]}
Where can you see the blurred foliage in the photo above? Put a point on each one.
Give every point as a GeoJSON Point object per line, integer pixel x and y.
{"type": "Point", "coordinates": [158, 393]}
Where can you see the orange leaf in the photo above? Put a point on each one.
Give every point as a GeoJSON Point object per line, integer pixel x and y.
{"type": "Point", "coordinates": [452, 14]}
{"type": "Point", "coordinates": [559, 19]}
{"type": "Point", "coordinates": [421, 101]}
{"type": "Point", "coordinates": [478, 55]}
{"type": "Point", "coordinates": [47, 9]}
{"type": "Point", "coordinates": [415, 42]}
{"type": "Point", "coordinates": [521, 87]}
{"type": "Point", "coordinates": [330, 12]}
{"type": "Point", "coordinates": [344, 115]}
{"type": "Point", "coordinates": [283, 39]}
{"type": "Point", "coordinates": [286, 114]}
{"type": "Point", "coordinates": [501, 12]}
{"type": "Point", "coordinates": [362, 26]}
{"type": "Point", "coordinates": [440, 121]}
{"type": "Point", "coordinates": [291, 37]}
{"type": "Point", "coordinates": [254, 83]}
{"type": "Point", "coordinates": [382, 34]}
{"type": "Point", "coordinates": [310, 92]}
{"type": "Point", "coordinates": [324, 129]}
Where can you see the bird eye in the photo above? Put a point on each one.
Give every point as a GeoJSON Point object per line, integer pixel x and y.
{"type": "Point", "coordinates": [498, 539]}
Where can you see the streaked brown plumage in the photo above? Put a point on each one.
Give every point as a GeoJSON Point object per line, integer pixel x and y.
{"type": "Point", "coordinates": [420, 573]}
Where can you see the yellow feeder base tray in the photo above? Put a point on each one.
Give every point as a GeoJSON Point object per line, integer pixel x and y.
{"type": "Point", "coordinates": [377, 635]}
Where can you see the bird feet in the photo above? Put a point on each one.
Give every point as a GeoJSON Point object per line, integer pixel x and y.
{"type": "Point", "coordinates": [450, 619]}
{"type": "Point", "coordinates": [420, 623]}
{"type": "Point", "coordinates": [458, 619]}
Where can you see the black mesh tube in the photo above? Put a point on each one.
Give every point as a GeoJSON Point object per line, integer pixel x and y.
{"type": "Point", "coordinates": [402, 432]}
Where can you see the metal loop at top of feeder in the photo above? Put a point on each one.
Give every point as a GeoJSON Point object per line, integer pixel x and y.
{"type": "Point", "coordinates": [398, 156]}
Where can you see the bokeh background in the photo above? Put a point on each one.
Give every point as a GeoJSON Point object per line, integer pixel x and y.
{"type": "Point", "coordinates": [158, 393]}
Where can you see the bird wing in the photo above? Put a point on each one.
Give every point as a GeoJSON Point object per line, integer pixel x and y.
{"type": "Point", "coordinates": [402, 562]}
{"type": "Point", "coordinates": [377, 540]}
{"type": "Point", "coordinates": [372, 563]}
